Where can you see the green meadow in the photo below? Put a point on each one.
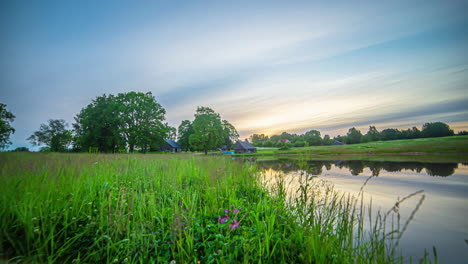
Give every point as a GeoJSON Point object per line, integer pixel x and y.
{"type": "Point", "coordinates": [98, 208]}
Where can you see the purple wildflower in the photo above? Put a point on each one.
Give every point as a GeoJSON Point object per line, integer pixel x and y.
{"type": "Point", "coordinates": [236, 211]}
{"type": "Point", "coordinates": [234, 225]}
{"type": "Point", "coordinates": [227, 211]}
{"type": "Point", "coordinates": [224, 219]}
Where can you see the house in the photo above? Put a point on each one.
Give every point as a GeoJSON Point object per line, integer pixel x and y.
{"type": "Point", "coordinates": [170, 146]}
{"type": "Point", "coordinates": [336, 142]}
{"type": "Point", "coordinates": [244, 147]}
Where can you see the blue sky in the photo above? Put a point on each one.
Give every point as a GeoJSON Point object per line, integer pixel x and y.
{"type": "Point", "coordinates": [266, 66]}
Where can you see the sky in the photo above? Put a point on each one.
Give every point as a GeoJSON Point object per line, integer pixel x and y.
{"type": "Point", "coordinates": [265, 66]}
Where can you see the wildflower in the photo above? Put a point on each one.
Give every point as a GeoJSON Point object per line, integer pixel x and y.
{"type": "Point", "coordinates": [236, 211]}
{"type": "Point", "coordinates": [234, 225]}
{"type": "Point", "coordinates": [224, 219]}
{"type": "Point", "coordinates": [227, 211]}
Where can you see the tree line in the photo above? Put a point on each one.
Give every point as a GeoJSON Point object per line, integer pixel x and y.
{"type": "Point", "coordinates": [130, 122]}
{"type": "Point", "coordinates": [354, 136]}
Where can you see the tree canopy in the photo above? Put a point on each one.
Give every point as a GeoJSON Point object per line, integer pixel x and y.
{"type": "Point", "coordinates": [184, 131]}
{"type": "Point", "coordinates": [208, 130]}
{"type": "Point", "coordinates": [437, 129]}
{"type": "Point", "coordinates": [110, 123]}
{"type": "Point", "coordinates": [54, 135]}
{"type": "Point", "coordinates": [6, 129]}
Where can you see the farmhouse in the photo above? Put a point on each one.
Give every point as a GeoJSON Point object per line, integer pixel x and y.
{"type": "Point", "coordinates": [244, 147]}
{"type": "Point", "coordinates": [336, 142]}
{"type": "Point", "coordinates": [171, 146]}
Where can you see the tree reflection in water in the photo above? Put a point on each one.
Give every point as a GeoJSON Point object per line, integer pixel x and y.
{"type": "Point", "coordinates": [355, 167]}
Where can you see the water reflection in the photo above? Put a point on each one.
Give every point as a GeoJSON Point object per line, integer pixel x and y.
{"type": "Point", "coordinates": [355, 167]}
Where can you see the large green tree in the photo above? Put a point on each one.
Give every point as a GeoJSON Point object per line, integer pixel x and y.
{"type": "Point", "coordinates": [184, 131]}
{"type": "Point", "coordinates": [437, 129]}
{"type": "Point", "coordinates": [354, 136]}
{"type": "Point", "coordinates": [5, 127]}
{"type": "Point", "coordinates": [142, 120]}
{"type": "Point", "coordinates": [313, 137]}
{"type": "Point", "coordinates": [208, 130]}
{"type": "Point", "coordinates": [230, 135]}
{"type": "Point", "coordinates": [54, 135]}
{"type": "Point", "coordinates": [133, 120]}
{"type": "Point", "coordinates": [372, 135]}
{"type": "Point", "coordinates": [98, 126]}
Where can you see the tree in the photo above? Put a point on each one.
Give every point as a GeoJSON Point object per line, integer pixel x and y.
{"type": "Point", "coordinates": [184, 131]}
{"type": "Point", "coordinates": [389, 134]}
{"type": "Point", "coordinates": [5, 128]}
{"type": "Point", "coordinates": [327, 140]}
{"type": "Point", "coordinates": [98, 126]}
{"type": "Point", "coordinates": [371, 135]}
{"type": "Point", "coordinates": [258, 139]}
{"type": "Point", "coordinates": [54, 135]}
{"type": "Point", "coordinates": [354, 136]}
{"type": "Point", "coordinates": [230, 134]}
{"type": "Point", "coordinates": [313, 137]}
{"type": "Point", "coordinates": [437, 129]}
{"type": "Point", "coordinates": [172, 133]}
{"type": "Point", "coordinates": [208, 130]}
{"type": "Point", "coordinates": [141, 120]}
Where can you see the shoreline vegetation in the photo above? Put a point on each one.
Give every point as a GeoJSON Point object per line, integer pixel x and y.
{"type": "Point", "coordinates": [453, 148]}
{"type": "Point", "coordinates": [146, 208]}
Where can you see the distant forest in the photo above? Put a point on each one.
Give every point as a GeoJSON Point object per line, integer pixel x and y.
{"type": "Point", "coordinates": [354, 136]}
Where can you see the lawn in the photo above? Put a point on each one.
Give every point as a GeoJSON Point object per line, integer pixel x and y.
{"type": "Point", "coordinates": [97, 208]}
{"type": "Point", "coordinates": [455, 145]}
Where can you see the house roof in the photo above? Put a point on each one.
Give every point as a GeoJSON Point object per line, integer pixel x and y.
{"type": "Point", "coordinates": [172, 143]}
{"type": "Point", "coordinates": [243, 145]}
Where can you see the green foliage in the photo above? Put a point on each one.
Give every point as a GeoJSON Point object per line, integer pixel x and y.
{"type": "Point", "coordinates": [6, 130]}
{"type": "Point", "coordinates": [54, 135]}
{"type": "Point", "coordinates": [230, 134]}
{"type": "Point", "coordinates": [141, 121]}
{"type": "Point", "coordinates": [258, 139]}
{"type": "Point", "coordinates": [389, 134]}
{"type": "Point", "coordinates": [184, 131]}
{"type": "Point", "coordinates": [437, 129]}
{"type": "Point", "coordinates": [172, 133]}
{"type": "Point", "coordinates": [21, 149]}
{"type": "Point", "coordinates": [268, 143]}
{"type": "Point", "coordinates": [354, 136]}
{"type": "Point", "coordinates": [327, 140]}
{"type": "Point", "coordinates": [88, 208]}
{"type": "Point", "coordinates": [98, 125]}
{"type": "Point", "coordinates": [313, 137]}
{"type": "Point", "coordinates": [208, 130]}
{"type": "Point", "coordinates": [112, 123]}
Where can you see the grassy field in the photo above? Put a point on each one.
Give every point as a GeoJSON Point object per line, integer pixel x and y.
{"type": "Point", "coordinates": [455, 146]}
{"type": "Point", "coordinates": [85, 208]}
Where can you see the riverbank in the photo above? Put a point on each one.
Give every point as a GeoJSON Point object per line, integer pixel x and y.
{"type": "Point", "coordinates": [424, 148]}
{"type": "Point", "coordinates": [95, 208]}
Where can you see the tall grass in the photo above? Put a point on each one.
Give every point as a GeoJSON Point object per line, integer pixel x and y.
{"type": "Point", "coordinates": [82, 208]}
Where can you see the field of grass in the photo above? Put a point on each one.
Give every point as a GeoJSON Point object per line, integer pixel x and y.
{"type": "Point", "coordinates": [456, 145]}
{"type": "Point", "coordinates": [96, 208]}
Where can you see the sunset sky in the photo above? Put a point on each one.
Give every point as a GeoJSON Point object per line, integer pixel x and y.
{"type": "Point", "coordinates": [266, 66]}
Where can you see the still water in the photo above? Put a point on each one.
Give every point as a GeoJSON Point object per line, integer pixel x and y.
{"type": "Point", "coordinates": [441, 220]}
